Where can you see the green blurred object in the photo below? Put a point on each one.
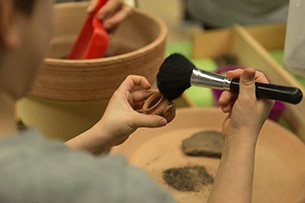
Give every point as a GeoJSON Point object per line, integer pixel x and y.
{"type": "Point", "coordinates": [207, 64]}
{"type": "Point", "coordinates": [278, 55]}
{"type": "Point", "coordinates": [201, 97]}
{"type": "Point", "coordinates": [183, 48]}
{"type": "Point", "coordinates": [300, 79]}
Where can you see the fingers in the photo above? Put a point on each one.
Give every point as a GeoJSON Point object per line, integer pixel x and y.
{"type": "Point", "coordinates": [149, 121]}
{"type": "Point", "coordinates": [134, 89]}
{"type": "Point", "coordinates": [117, 18]}
{"type": "Point", "coordinates": [138, 97]}
{"type": "Point", "coordinates": [248, 77]}
{"type": "Point", "coordinates": [247, 84]}
{"type": "Point", "coordinates": [112, 13]}
{"type": "Point", "coordinates": [226, 101]}
{"type": "Point", "coordinates": [259, 76]}
{"type": "Point", "coordinates": [141, 95]}
{"type": "Point", "coordinates": [92, 5]}
{"type": "Point", "coordinates": [133, 81]}
{"type": "Point", "coordinates": [111, 7]}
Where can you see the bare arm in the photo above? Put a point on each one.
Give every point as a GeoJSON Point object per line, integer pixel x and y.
{"type": "Point", "coordinates": [233, 182]}
{"type": "Point", "coordinates": [120, 118]}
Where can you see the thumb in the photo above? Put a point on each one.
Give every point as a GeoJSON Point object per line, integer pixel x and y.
{"type": "Point", "coordinates": [247, 82]}
{"type": "Point", "coordinates": [150, 121]}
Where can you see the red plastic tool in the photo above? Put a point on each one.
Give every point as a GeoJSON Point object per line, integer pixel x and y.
{"type": "Point", "coordinates": [93, 39]}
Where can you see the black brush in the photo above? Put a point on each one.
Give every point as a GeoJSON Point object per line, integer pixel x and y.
{"type": "Point", "coordinates": [177, 74]}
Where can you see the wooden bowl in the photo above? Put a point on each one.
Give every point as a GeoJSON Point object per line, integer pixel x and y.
{"type": "Point", "coordinates": [279, 175]}
{"type": "Point", "coordinates": [136, 47]}
{"type": "Point", "coordinates": [69, 96]}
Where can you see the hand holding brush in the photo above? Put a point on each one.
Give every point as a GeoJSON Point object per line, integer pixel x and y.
{"type": "Point", "coordinates": [177, 74]}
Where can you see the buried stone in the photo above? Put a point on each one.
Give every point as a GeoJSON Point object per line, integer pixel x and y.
{"type": "Point", "coordinates": [203, 143]}
{"type": "Point", "coordinates": [188, 178]}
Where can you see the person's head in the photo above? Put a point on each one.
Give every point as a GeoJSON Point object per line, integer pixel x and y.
{"type": "Point", "coordinates": [26, 27]}
{"type": "Point", "coordinates": [24, 6]}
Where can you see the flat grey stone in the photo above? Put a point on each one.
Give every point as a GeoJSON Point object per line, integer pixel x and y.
{"type": "Point", "coordinates": [204, 143]}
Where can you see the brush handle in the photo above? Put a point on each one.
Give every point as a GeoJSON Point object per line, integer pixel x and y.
{"type": "Point", "coordinates": [291, 95]}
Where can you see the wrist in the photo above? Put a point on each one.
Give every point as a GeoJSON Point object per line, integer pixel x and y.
{"type": "Point", "coordinates": [93, 141]}
{"type": "Point", "coordinates": [98, 140]}
{"type": "Point", "coordinates": [241, 136]}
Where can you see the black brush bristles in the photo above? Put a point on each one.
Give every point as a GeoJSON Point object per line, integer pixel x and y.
{"type": "Point", "coordinates": [174, 76]}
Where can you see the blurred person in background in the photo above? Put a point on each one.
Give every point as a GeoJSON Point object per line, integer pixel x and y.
{"type": "Point", "coordinates": [224, 13]}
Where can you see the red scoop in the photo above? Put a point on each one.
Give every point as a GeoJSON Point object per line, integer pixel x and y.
{"type": "Point", "coordinates": [92, 42]}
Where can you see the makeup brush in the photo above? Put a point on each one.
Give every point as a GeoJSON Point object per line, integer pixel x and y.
{"type": "Point", "coordinates": [177, 74]}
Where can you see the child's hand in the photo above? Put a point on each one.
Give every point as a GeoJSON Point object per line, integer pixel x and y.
{"type": "Point", "coordinates": [121, 118]}
{"type": "Point", "coordinates": [246, 113]}
{"type": "Point", "coordinates": [112, 13]}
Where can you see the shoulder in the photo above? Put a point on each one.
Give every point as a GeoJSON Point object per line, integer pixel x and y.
{"type": "Point", "coordinates": [38, 168]}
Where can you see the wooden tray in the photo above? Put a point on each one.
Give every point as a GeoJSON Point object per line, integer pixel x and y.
{"type": "Point", "coordinates": [279, 171]}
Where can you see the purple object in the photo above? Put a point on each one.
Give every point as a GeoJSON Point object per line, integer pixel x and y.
{"type": "Point", "coordinates": [277, 109]}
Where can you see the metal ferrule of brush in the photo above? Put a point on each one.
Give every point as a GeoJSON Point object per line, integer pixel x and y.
{"type": "Point", "coordinates": [209, 79]}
